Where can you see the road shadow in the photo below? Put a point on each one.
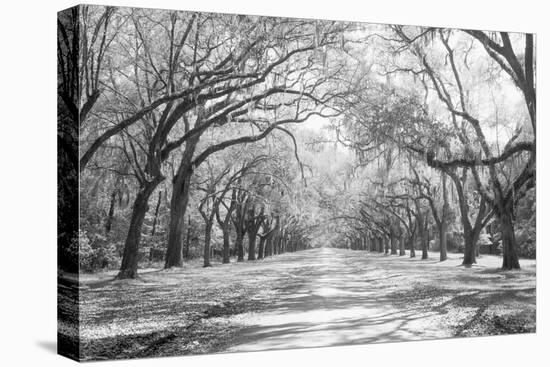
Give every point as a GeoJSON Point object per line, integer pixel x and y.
{"type": "Point", "coordinates": [331, 301]}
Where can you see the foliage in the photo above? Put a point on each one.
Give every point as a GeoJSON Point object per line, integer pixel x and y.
{"type": "Point", "coordinates": [407, 142]}
{"type": "Point", "coordinates": [96, 252]}
{"type": "Point", "coordinates": [526, 236]}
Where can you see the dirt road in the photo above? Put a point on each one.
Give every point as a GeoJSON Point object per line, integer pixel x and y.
{"type": "Point", "coordinates": [342, 297]}
{"type": "Point", "coordinates": [318, 297]}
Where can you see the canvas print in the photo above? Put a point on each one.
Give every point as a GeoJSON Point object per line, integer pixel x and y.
{"type": "Point", "coordinates": [232, 183]}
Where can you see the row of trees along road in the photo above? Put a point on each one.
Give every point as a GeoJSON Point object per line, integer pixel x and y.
{"type": "Point", "coordinates": [170, 80]}
{"type": "Point", "coordinates": [471, 129]}
{"type": "Point", "coordinates": [197, 113]}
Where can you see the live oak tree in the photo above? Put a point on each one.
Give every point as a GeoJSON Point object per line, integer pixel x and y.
{"type": "Point", "coordinates": [277, 89]}
{"type": "Point", "coordinates": [214, 93]}
{"type": "Point", "coordinates": [451, 84]}
{"type": "Point", "coordinates": [447, 141]}
{"type": "Point", "coordinates": [83, 37]}
{"type": "Point", "coordinates": [216, 187]}
{"type": "Point", "coordinates": [189, 122]}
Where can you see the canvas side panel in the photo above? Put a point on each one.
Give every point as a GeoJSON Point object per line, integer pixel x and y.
{"type": "Point", "coordinates": [68, 339]}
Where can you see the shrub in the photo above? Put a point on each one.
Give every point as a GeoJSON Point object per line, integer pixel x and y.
{"type": "Point", "coordinates": [526, 242]}
{"type": "Point", "coordinates": [96, 252]}
{"type": "Point", "coordinates": [484, 240]}
{"type": "Point", "coordinates": [84, 251]}
{"type": "Point", "coordinates": [455, 242]}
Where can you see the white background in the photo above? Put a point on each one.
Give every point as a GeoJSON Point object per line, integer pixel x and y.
{"type": "Point", "coordinates": [28, 182]}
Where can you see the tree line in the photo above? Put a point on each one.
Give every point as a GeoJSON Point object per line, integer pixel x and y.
{"type": "Point", "coordinates": [442, 135]}
{"type": "Point", "coordinates": [198, 111]}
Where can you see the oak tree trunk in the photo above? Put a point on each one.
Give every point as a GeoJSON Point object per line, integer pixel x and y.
{"type": "Point", "coordinates": [155, 218]}
{"type": "Point", "coordinates": [178, 206]}
{"type": "Point", "coordinates": [509, 254]}
{"type": "Point", "coordinates": [402, 246]}
{"type": "Point", "coordinates": [207, 240]}
{"type": "Point", "coordinates": [111, 213]}
{"type": "Point", "coordinates": [443, 241]}
{"type": "Point", "coordinates": [129, 264]}
{"type": "Point", "coordinates": [226, 246]}
{"type": "Point", "coordinates": [251, 245]}
{"type": "Point", "coordinates": [469, 248]}
{"type": "Point", "coordinates": [411, 246]}
{"type": "Point", "coordinates": [188, 238]}
{"type": "Point", "coordinates": [393, 245]}
{"type": "Point", "coordinates": [261, 248]}
{"type": "Point", "coordinates": [239, 246]}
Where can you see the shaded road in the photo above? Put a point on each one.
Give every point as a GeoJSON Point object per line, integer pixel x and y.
{"type": "Point", "coordinates": [312, 298]}
{"type": "Point", "coordinates": [332, 297]}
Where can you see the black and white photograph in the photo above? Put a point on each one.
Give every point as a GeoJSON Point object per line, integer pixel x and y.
{"type": "Point", "coordinates": [238, 183]}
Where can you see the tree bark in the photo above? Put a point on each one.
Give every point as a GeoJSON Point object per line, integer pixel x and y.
{"type": "Point", "coordinates": [111, 213]}
{"type": "Point", "coordinates": [469, 248]}
{"type": "Point", "coordinates": [178, 204]}
{"type": "Point", "coordinates": [188, 238]}
{"type": "Point", "coordinates": [129, 264]}
{"type": "Point", "coordinates": [443, 241]}
{"type": "Point", "coordinates": [442, 221]}
{"type": "Point", "coordinates": [207, 240]}
{"type": "Point", "coordinates": [424, 239]}
{"type": "Point", "coordinates": [393, 246]}
{"type": "Point", "coordinates": [261, 248]}
{"type": "Point", "coordinates": [239, 246]}
{"type": "Point", "coordinates": [155, 219]}
{"type": "Point", "coordinates": [509, 254]}
{"type": "Point", "coordinates": [224, 225]}
{"type": "Point", "coordinates": [411, 246]}
{"type": "Point", "coordinates": [251, 245]}
{"type": "Point", "coordinates": [402, 246]}
{"type": "Point", "coordinates": [226, 246]}
{"type": "Point", "coordinates": [423, 235]}
{"type": "Point", "coordinates": [269, 246]}
{"type": "Point", "coordinates": [471, 233]}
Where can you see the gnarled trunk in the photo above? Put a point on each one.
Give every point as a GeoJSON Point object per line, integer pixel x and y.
{"type": "Point", "coordinates": [393, 246]}
{"type": "Point", "coordinates": [178, 204]}
{"type": "Point", "coordinates": [155, 218]}
{"type": "Point", "coordinates": [261, 248]}
{"type": "Point", "coordinates": [129, 264]}
{"type": "Point", "coordinates": [226, 246]}
{"type": "Point", "coordinates": [239, 247]}
{"type": "Point", "coordinates": [424, 245]}
{"type": "Point", "coordinates": [411, 246]}
{"type": "Point", "coordinates": [269, 246]}
{"type": "Point", "coordinates": [251, 245]}
{"type": "Point", "coordinates": [178, 207]}
{"type": "Point", "coordinates": [402, 246]}
{"type": "Point", "coordinates": [509, 254]}
{"type": "Point", "coordinates": [469, 248]}
{"type": "Point", "coordinates": [111, 213]}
